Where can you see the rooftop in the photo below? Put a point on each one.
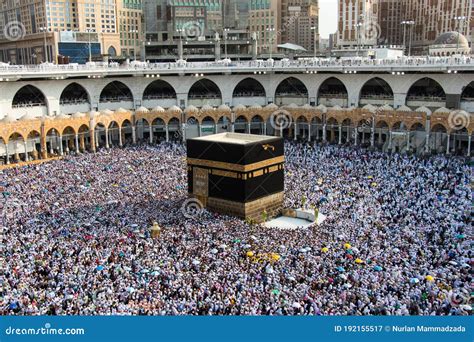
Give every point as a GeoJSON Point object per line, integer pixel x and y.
{"type": "Point", "coordinates": [235, 138]}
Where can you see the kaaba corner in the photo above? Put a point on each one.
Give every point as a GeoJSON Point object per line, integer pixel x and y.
{"type": "Point", "coordinates": [237, 174]}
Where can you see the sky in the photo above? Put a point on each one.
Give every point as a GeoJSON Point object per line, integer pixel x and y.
{"type": "Point", "coordinates": [327, 17]}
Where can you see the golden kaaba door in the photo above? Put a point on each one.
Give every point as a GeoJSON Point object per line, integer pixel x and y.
{"type": "Point", "coordinates": [200, 182]}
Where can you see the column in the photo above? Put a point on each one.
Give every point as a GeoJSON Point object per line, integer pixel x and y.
{"type": "Point", "coordinates": [106, 138]}
{"type": "Point", "coordinates": [356, 135]}
{"type": "Point", "coordinates": [309, 131]}
{"type": "Point", "coordinates": [372, 134]}
{"type": "Point", "coordinates": [427, 143]}
{"type": "Point", "coordinates": [183, 127]}
{"type": "Point", "coordinates": [51, 152]}
{"type": "Point", "coordinates": [82, 143]}
{"type": "Point", "coordinates": [340, 134]}
{"type": "Point", "coordinates": [317, 132]}
{"type": "Point", "coordinates": [134, 134]}
{"type": "Point", "coordinates": [348, 135]}
{"type": "Point", "coordinates": [264, 128]}
{"type": "Point", "coordinates": [248, 127]}
{"type": "Point", "coordinates": [469, 145]}
{"type": "Point", "coordinates": [215, 128]}
{"type": "Point", "coordinates": [408, 141]}
{"type": "Point", "coordinates": [8, 153]}
{"type": "Point", "coordinates": [167, 133]}
{"type": "Point", "coordinates": [151, 133]}
{"type": "Point", "coordinates": [25, 144]}
{"type": "Point", "coordinates": [295, 129]}
{"type": "Point", "coordinates": [390, 139]}
{"type": "Point", "coordinates": [76, 141]}
{"type": "Point", "coordinates": [67, 145]}
{"type": "Point", "coordinates": [324, 132]}
{"type": "Point", "coordinates": [333, 134]}
{"type": "Point", "coordinates": [61, 152]}
{"type": "Point", "coordinates": [199, 129]}
{"type": "Point", "coordinates": [120, 136]}
{"type": "Point", "coordinates": [447, 142]}
{"type": "Point", "coordinates": [380, 136]}
{"type": "Point", "coordinates": [97, 138]}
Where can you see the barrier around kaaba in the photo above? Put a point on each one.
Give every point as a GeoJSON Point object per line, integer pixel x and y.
{"type": "Point", "coordinates": [237, 174]}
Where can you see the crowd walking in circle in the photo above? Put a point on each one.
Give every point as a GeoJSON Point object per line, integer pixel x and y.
{"type": "Point", "coordinates": [396, 240]}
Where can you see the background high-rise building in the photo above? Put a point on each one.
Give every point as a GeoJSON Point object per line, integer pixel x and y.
{"type": "Point", "coordinates": [300, 23]}
{"type": "Point", "coordinates": [44, 30]}
{"type": "Point", "coordinates": [357, 23]}
{"type": "Point", "coordinates": [265, 24]}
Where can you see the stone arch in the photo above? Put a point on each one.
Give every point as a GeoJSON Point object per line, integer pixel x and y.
{"type": "Point", "coordinates": [115, 95]}
{"type": "Point", "coordinates": [376, 91]}
{"type": "Point", "coordinates": [159, 93]}
{"type": "Point", "coordinates": [291, 90]}
{"type": "Point", "coordinates": [74, 98]}
{"type": "Point", "coordinates": [333, 92]}
{"type": "Point", "coordinates": [204, 91]}
{"type": "Point", "coordinates": [426, 92]}
{"type": "Point", "coordinates": [249, 91]}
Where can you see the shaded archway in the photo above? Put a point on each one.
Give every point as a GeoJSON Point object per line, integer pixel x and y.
{"type": "Point", "coordinates": [256, 125]}
{"type": "Point", "coordinates": [223, 124]}
{"type": "Point", "coordinates": [74, 98]}
{"type": "Point", "coordinates": [101, 137]}
{"type": "Point", "coordinates": [127, 132]}
{"type": "Point", "coordinates": [174, 128]}
{"type": "Point", "coordinates": [332, 92]}
{"type": "Point", "coordinates": [316, 128]}
{"type": "Point", "coordinates": [291, 90]}
{"type": "Point", "coordinates": [241, 124]}
{"type": "Point", "coordinates": [113, 132]}
{"type": "Point", "coordinates": [17, 147]}
{"type": "Point", "coordinates": [376, 91]}
{"type": "Point", "coordinates": [33, 142]}
{"type": "Point", "coordinates": [29, 100]}
{"type": "Point", "coordinates": [158, 130]}
{"type": "Point", "coordinates": [84, 138]}
{"type": "Point", "coordinates": [302, 128]}
{"type": "Point", "coordinates": [68, 136]}
{"type": "Point", "coordinates": [53, 142]}
{"type": "Point", "coordinates": [438, 139]}
{"type": "Point", "coordinates": [192, 127]}
{"type": "Point", "coordinates": [249, 91]}
{"type": "Point", "coordinates": [208, 126]}
{"type": "Point", "coordinates": [467, 98]}
{"type": "Point", "coordinates": [426, 92]}
{"type": "Point", "coordinates": [115, 95]}
{"type": "Point", "coordinates": [159, 93]}
{"type": "Point", "coordinates": [204, 91]}
{"type": "Point", "coordinates": [381, 132]}
{"type": "Point", "coordinates": [332, 130]}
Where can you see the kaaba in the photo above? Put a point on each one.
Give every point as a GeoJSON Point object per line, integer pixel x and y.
{"type": "Point", "coordinates": [237, 174]}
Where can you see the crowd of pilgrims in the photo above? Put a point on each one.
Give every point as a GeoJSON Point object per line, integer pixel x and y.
{"type": "Point", "coordinates": [396, 240]}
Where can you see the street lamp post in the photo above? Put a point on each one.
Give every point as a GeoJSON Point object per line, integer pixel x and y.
{"type": "Point", "coordinates": [90, 44]}
{"type": "Point", "coordinates": [224, 33]}
{"type": "Point", "coordinates": [314, 28]}
{"type": "Point", "coordinates": [44, 29]}
{"type": "Point", "coordinates": [271, 30]}
{"type": "Point", "coordinates": [357, 27]}
{"type": "Point", "coordinates": [459, 20]}
{"type": "Point", "coordinates": [406, 23]}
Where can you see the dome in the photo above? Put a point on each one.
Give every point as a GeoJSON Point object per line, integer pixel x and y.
{"type": "Point", "coordinates": [61, 116]}
{"type": "Point", "coordinates": [28, 116]}
{"type": "Point", "coordinates": [449, 38]}
{"type": "Point", "coordinates": [78, 115]}
{"type": "Point", "coordinates": [8, 118]}
{"type": "Point", "coordinates": [142, 110]}
{"type": "Point", "coordinates": [174, 109]}
{"type": "Point", "coordinates": [121, 110]}
{"type": "Point", "coordinates": [158, 109]}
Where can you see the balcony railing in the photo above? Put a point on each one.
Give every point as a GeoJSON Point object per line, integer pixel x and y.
{"type": "Point", "coordinates": [54, 71]}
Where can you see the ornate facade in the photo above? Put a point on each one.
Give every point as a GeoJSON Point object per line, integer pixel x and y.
{"type": "Point", "coordinates": [31, 138]}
